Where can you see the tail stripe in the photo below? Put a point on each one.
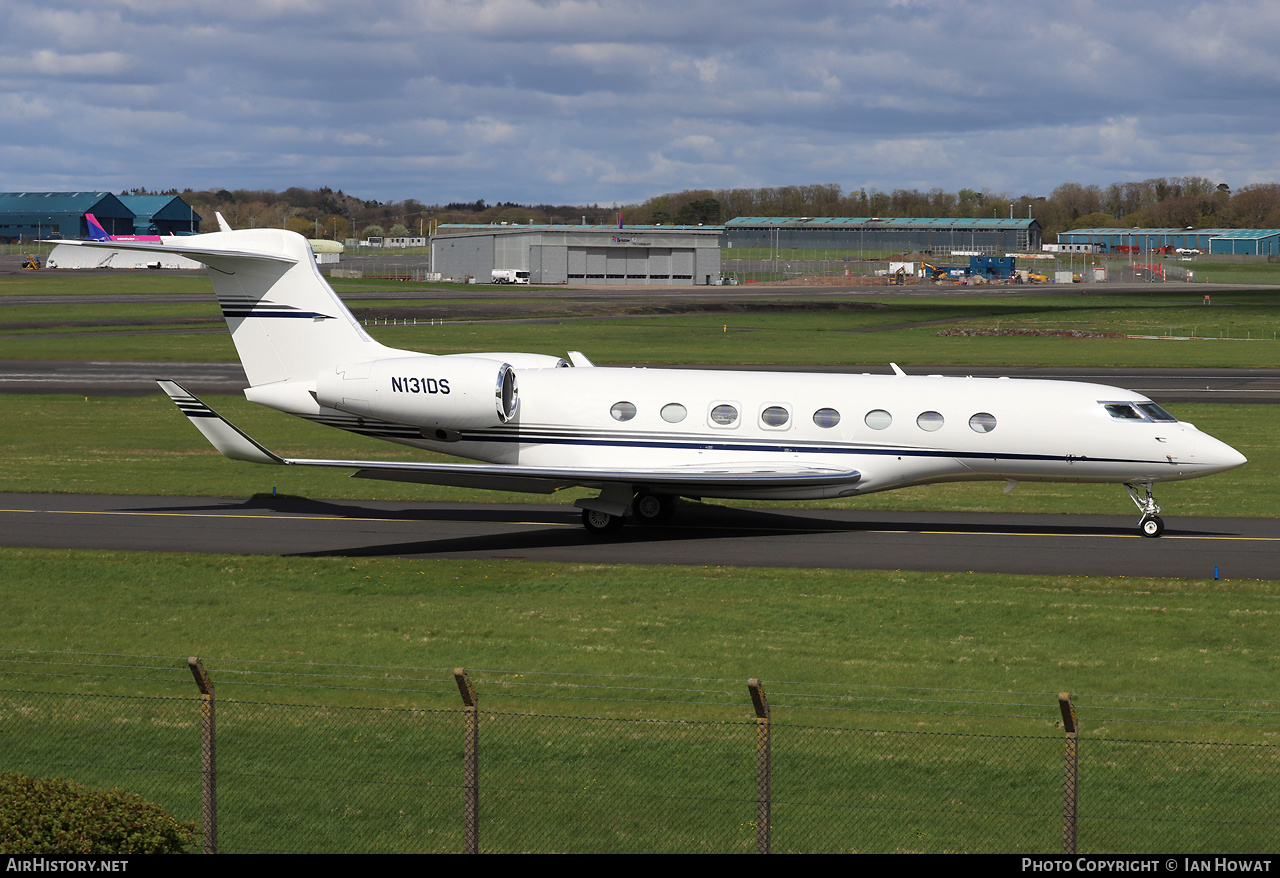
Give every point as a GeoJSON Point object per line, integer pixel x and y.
{"type": "Point", "coordinates": [242, 307]}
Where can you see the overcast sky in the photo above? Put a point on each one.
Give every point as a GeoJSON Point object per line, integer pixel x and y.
{"type": "Point", "coordinates": [619, 100]}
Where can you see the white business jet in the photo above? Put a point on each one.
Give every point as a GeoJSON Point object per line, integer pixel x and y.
{"type": "Point", "coordinates": [645, 437]}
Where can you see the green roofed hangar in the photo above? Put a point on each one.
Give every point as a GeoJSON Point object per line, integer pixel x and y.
{"type": "Point", "coordinates": [898, 235]}
{"type": "Point", "coordinates": [33, 216]}
{"type": "Point", "coordinates": [1218, 242]}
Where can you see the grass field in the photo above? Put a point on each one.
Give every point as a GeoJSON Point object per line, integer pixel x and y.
{"type": "Point", "coordinates": [1239, 330]}
{"type": "Point", "coordinates": [913, 711]}
{"type": "Point", "coordinates": [859, 632]}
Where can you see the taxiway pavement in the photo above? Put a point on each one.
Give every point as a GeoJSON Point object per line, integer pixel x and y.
{"type": "Point", "coordinates": [1068, 545]}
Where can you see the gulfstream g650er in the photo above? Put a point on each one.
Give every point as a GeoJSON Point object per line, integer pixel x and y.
{"type": "Point", "coordinates": [645, 437]}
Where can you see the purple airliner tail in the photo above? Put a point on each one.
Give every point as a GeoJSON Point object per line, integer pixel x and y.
{"type": "Point", "coordinates": [96, 231]}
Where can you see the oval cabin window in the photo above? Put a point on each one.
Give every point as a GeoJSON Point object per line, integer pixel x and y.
{"type": "Point", "coordinates": [929, 421]}
{"type": "Point", "coordinates": [878, 419]}
{"type": "Point", "coordinates": [826, 417]}
{"type": "Point", "coordinates": [724, 415]}
{"type": "Point", "coordinates": [673, 413]}
{"type": "Point", "coordinates": [982, 423]}
{"type": "Point", "coordinates": [623, 411]}
{"type": "Point", "coordinates": [775, 416]}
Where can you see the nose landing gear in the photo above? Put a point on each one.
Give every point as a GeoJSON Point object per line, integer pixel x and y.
{"type": "Point", "coordinates": [1151, 524]}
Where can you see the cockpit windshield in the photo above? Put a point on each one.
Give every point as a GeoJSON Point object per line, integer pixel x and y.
{"type": "Point", "coordinates": [1154, 412]}
{"type": "Point", "coordinates": [1138, 411]}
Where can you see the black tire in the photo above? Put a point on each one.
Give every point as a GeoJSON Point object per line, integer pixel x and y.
{"type": "Point", "coordinates": [600, 524]}
{"type": "Point", "coordinates": [653, 508]}
{"type": "Point", "coordinates": [1151, 525]}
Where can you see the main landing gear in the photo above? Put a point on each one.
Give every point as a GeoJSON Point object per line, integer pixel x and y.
{"type": "Point", "coordinates": [1151, 524]}
{"type": "Point", "coordinates": [601, 524]}
{"type": "Point", "coordinates": [645, 508]}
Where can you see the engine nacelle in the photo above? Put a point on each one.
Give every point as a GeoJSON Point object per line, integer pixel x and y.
{"type": "Point", "coordinates": [432, 393]}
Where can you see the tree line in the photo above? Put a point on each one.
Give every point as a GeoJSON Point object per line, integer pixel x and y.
{"type": "Point", "coordinates": [1161, 202]}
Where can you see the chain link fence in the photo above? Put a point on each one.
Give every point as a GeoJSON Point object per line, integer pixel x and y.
{"type": "Point", "coordinates": [442, 775]}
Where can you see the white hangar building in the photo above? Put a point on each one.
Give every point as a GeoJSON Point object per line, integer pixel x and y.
{"type": "Point", "coordinates": [580, 255]}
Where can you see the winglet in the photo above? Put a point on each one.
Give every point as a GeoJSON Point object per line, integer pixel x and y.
{"type": "Point", "coordinates": [220, 432]}
{"type": "Point", "coordinates": [579, 359]}
{"type": "Point", "coordinates": [223, 225]}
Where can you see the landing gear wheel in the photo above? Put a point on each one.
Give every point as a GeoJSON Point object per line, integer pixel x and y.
{"type": "Point", "coordinates": [1150, 524]}
{"type": "Point", "coordinates": [601, 524]}
{"type": "Point", "coordinates": [653, 508]}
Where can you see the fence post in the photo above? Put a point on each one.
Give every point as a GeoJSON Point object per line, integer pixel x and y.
{"type": "Point", "coordinates": [208, 756]}
{"type": "Point", "coordinates": [763, 768]}
{"type": "Point", "coordinates": [1072, 774]}
{"type": "Point", "coordinates": [471, 771]}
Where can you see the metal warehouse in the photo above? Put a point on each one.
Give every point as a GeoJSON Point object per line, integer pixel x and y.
{"type": "Point", "coordinates": [1246, 242]}
{"type": "Point", "coordinates": [907, 235]}
{"type": "Point", "coordinates": [1142, 240]}
{"type": "Point", "coordinates": [554, 254]}
{"type": "Point", "coordinates": [38, 215]}
{"type": "Point", "coordinates": [160, 215]}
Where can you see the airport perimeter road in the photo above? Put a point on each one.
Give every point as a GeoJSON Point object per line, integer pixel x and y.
{"type": "Point", "coordinates": [1240, 548]}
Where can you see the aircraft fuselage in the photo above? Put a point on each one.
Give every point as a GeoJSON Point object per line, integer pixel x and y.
{"type": "Point", "coordinates": [895, 430]}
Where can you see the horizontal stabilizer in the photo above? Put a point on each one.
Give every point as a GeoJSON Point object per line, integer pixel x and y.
{"type": "Point", "coordinates": [223, 435]}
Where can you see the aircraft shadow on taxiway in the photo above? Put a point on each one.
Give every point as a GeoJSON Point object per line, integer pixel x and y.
{"type": "Point", "coordinates": [693, 522]}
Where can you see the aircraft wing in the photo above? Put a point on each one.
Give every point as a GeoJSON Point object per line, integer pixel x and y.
{"type": "Point", "coordinates": [237, 445]}
{"type": "Point", "coordinates": [189, 247]}
{"type": "Point", "coordinates": [546, 480]}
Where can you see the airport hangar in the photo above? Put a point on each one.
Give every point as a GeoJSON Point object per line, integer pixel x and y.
{"type": "Point", "coordinates": [940, 235]}
{"type": "Point", "coordinates": [1224, 242]}
{"type": "Point", "coordinates": [556, 254]}
{"type": "Point", "coordinates": [39, 215]}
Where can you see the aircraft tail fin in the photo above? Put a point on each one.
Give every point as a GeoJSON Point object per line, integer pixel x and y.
{"type": "Point", "coordinates": [96, 231]}
{"type": "Point", "coordinates": [286, 321]}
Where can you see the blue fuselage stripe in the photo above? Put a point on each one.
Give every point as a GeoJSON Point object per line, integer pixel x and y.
{"type": "Point", "coordinates": [775, 448]}
{"type": "Point", "coordinates": [373, 427]}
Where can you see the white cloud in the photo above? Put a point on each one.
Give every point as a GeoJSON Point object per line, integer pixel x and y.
{"type": "Point", "coordinates": [604, 100]}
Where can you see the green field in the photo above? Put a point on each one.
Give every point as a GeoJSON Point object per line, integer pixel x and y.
{"type": "Point", "coordinates": [856, 631]}
{"type": "Point", "coordinates": [1239, 330]}
{"type": "Point", "coordinates": [913, 711]}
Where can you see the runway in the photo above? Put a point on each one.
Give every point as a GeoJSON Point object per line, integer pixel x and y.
{"type": "Point", "coordinates": [1067, 545]}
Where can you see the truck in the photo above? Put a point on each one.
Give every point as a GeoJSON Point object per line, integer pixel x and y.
{"type": "Point", "coordinates": [509, 276]}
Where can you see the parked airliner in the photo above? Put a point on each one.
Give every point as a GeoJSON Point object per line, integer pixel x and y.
{"type": "Point", "coordinates": [98, 233]}
{"type": "Point", "coordinates": [646, 437]}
